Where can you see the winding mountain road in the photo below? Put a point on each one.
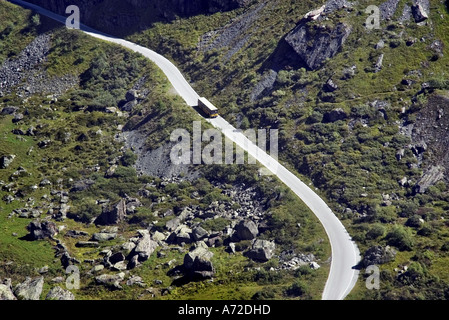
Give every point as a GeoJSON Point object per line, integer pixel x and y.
{"type": "Point", "coordinates": [345, 254]}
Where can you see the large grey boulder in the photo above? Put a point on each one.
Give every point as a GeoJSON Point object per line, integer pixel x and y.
{"type": "Point", "coordinates": [9, 110]}
{"type": "Point", "coordinates": [172, 224]}
{"type": "Point", "coordinates": [246, 230]}
{"type": "Point", "coordinates": [57, 293]}
{"type": "Point", "coordinates": [429, 178]}
{"type": "Point", "coordinates": [419, 11]}
{"type": "Point", "coordinates": [378, 255]}
{"type": "Point", "coordinates": [197, 263]}
{"type": "Point", "coordinates": [262, 250]}
{"type": "Point", "coordinates": [104, 236]}
{"type": "Point", "coordinates": [144, 248]}
{"type": "Point", "coordinates": [182, 234]}
{"type": "Point", "coordinates": [132, 95]}
{"type": "Point", "coordinates": [6, 292]}
{"type": "Point", "coordinates": [199, 233]}
{"type": "Point", "coordinates": [5, 161]}
{"type": "Point", "coordinates": [41, 230]}
{"type": "Point", "coordinates": [30, 289]}
{"type": "Point", "coordinates": [111, 281]}
{"type": "Point", "coordinates": [114, 215]}
{"type": "Point", "coordinates": [314, 43]}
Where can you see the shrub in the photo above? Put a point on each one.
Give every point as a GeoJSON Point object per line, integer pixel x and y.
{"type": "Point", "coordinates": [265, 294]}
{"type": "Point", "coordinates": [85, 211]}
{"type": "Point", "coordinates": [126, 173]}
{"type": "Point", "coordinates": [414, 221]}
{"type": "Point", "coordinates": [297, 289]}
{"type": "Point", "coordinates": [214, 196]}
{"type": "Point", "coordinates": [171, 188]}
{"type": "Point", "coordinates": [215, 224]}
{"type": "Point", "coordinates": [242, 245]}
{"type": "Point", "coordinates": [401, 238]}
{"type": "Point", "coordinates": [445, 247]}
{"type": "Point", "coordinates": [36, 20]}
{"type": "Point", "coordinates": [376, 231]}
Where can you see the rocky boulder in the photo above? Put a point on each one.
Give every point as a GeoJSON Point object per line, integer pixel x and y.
{"type": "Point", "coordinates": [335, 115]}
{"type": "Point", "coordinates": [143, 250]}
{"type": "Point", "coordinates": [314, 43]}
{"type": "Point", "coordinates": [262, 250]}
{"type": "Point", "coordinates": [111, 281]}
{"type": "Point", "coordinates": [9, 110]}
{"type": "Point", "coordinates": [114, 215]}
{"type": "Point", "coordinates": [419, 12]}
{"type": "Point", "coordinates": [182, 234]}
{"type": "Point", "coordinates": [330, 86]}
{"type": "Point", "coordinates": [198, 264]}
{"type": "Point", "coordinates": [378, 255]}
{"type": "Point", "coordinates": [5, 161]}
{"type": "Point", "coordinates": [104, 236]}
{"type": "Point", "coordinates": [30, 289]}
{"type": "Point", "coordinates": [246, 230]}
{"type": "Point", "coordinates": [57, 293]}
{"type": "Point", "coordinates": [6, 292]}
{"type": "Point", "coordinates": [132, 95]}
{"type": "Point", "coordinates": [430, 178]}
{"type": "Point", "coordinates": [199, 233]}
{"type": "Point", "coordinates": [41, 230]}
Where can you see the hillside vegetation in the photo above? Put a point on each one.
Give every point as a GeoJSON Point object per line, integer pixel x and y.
{"type": "Point", "coordinates": [71, 194]}
{"type": "Point", "coordinates": [366, 125]}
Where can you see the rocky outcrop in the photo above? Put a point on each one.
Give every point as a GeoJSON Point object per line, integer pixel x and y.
{"type": "Point", "coordinates": [314, 43]}
{"type": "Point", "coordinates": [335, 115]}
{"type": "Point", "coordinates": [5, 161]}
{"type": "Point", "coordinates": [143, 249]}
{"type": "Point", "coordinates": [114, 215]}
{"type": "Point", "coordinates": [246, 230]}
{"type": "Point", "coordinates": [420, 10]}
{"type": "Point", "coordinates": [262, 250]}
{"type": "Point", "coordinates": [57, 293]}
{"type": "Point", "coordinates": [30, 289]}
{"type": "Point", "coordinates": [41, 230]}
{"type": "Point", "coordinates": [6, 292]}
{"type": "Point", "coordinates": [197, 263]}
{"type": "Point", "coordinates": [430, 140]}
{"type": "Point", "coordinates": [111, 281]}
{"type": "Point", "coordinates": [378, 255]}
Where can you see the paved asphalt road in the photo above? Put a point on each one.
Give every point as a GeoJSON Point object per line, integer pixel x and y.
{"type": "Point", "coordinates": [345, 254]}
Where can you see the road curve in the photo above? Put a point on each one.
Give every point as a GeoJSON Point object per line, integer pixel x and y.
{"type": "Point", "coordinates": [345, 254]}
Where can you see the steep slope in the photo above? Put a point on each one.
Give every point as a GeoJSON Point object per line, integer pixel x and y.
{"type": "Point", "coordinates": [356, 108]}
{"type": "Point", "coordinates": [76, 196]}
{"type": "Point", "coordinates": [123, 17]}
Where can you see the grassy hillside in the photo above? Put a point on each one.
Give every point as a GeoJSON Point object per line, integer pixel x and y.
{"type": "Point", "coordinates": [74, 139]}
{"type": "Point", "coordinates": [357, 162]}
